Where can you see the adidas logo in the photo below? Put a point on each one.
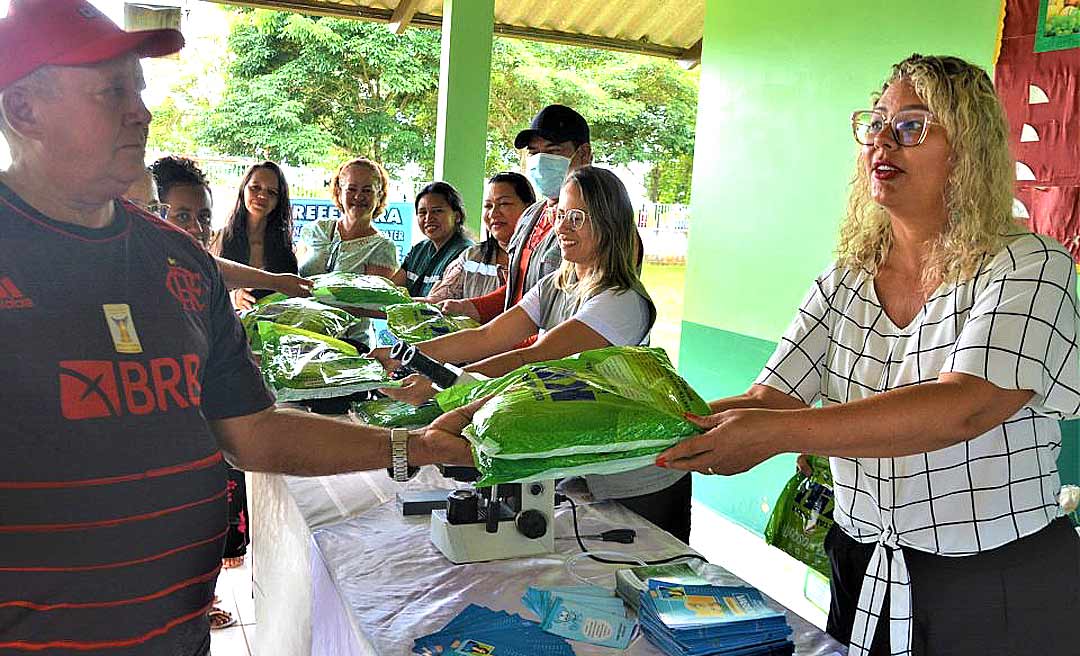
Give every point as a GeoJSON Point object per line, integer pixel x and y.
{"type": "Point", "coordinates": [11, 297]}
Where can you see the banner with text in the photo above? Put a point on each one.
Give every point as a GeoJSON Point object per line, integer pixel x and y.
{"type": "Point", "coordinates": [396, 222]}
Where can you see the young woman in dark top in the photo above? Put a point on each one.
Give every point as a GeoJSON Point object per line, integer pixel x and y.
{"type": "Point", "coordinates": [259, 230]}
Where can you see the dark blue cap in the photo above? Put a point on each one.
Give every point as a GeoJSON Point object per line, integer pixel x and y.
{"type": "Point", "coordinates": [556, 123]}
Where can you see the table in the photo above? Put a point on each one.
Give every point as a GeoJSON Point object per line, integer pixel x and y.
{"type": "Point", "coordinates": [339, 571]}
{"type": "Point", "coordinates": [284, 512]}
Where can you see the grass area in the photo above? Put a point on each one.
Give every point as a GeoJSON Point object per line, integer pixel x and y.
{"type": "Point", "coordinates": [665, 284]}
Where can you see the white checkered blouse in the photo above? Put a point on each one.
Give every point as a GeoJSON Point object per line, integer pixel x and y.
{"type": "Point", "coordinates": [1014, 324]}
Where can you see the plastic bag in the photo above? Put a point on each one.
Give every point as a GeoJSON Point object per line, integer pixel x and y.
{"type": "Point", "coordinates": [299, 365]}
{"type": "Point", "coordinates": [388, 413]}
{"type": "Point", "coordinates": [355, 290]}
{"type": "Point", "coordinates": [499, 470]}
{"type": "Point", "coordinates": [303, 313]}
{"type": "Point", "coordinates": [416, 322]}
{"type": "Point", "coordinates": [600, 412]}
{"type": "Point", "coordinates": [803, 515]}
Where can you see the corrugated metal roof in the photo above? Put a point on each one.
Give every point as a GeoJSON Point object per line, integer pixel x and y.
{"type": "Point", "coordinates": [664, 28]}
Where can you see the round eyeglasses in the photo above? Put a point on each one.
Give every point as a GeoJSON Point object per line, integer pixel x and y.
{"type": "Point", "coordinates": [907, 127]}
{"type": "Point", "coordinates": [574, 217]}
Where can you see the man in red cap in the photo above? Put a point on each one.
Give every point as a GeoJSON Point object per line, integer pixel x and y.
{"type": "Point", "coordinates": [128, 372]}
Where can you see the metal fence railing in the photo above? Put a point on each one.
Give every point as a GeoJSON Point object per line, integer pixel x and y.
{"type": "Point", "coordinates": [664, 230]}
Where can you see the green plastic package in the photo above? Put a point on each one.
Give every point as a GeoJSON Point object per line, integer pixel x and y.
{"type": "Point", "coordinates": [388, 413]}
{"type": "Point", "coordinates": [416, 322]}
{"type": "Point", "coordinates": [600, 412]}
{"type": "Point", "coordinates": [803, 515]}
{"type": "Point", "coordinates": [355, 290]}
{"type": "Point", "coordinates": [298, 365]}
{"type": "Point", "coordinates": [303, 313]}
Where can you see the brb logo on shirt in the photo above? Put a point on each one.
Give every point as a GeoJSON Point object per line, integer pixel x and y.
{"type": "Point", "coordinates": [95, 389]}
{"type": "Point", "coordinates": [186, 286]}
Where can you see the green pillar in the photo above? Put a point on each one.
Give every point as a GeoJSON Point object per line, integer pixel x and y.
{"type": "Point", "coordinates": [464, 83]}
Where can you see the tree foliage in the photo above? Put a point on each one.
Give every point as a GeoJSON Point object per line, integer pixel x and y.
{"type": "Point", "coordinates": [314, 90]}
{"type": "Point", "coordinates": [640, 109]}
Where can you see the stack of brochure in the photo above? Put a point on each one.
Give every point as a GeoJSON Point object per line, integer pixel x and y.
{"type": "Point", "coordinates": [584, 613]}
{"type": "Point", "coordinates": [631, 582]}
{"type": "Point", "coordinates": [480, 630]}
{"type": "Point", "coordinates": [707, 620]}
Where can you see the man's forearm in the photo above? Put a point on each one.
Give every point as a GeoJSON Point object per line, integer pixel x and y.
{"type": "Point", "coordinates": [239, 276]}
{"type": "Point", "coordinates": [306, 444]}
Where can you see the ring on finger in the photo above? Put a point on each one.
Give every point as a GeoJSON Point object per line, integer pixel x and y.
{"type": "Point", "coordinates": [711, 472]}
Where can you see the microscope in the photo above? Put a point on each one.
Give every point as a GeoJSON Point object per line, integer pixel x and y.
{"type": "Point", "coordinates": [509, 520]}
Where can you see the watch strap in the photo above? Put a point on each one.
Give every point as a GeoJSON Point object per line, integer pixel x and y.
{"type": "Point", "coordinates": [399, 453]}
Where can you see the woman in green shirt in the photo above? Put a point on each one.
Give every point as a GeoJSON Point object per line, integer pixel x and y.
{"type": "Point", "coordinates": [441, 217]}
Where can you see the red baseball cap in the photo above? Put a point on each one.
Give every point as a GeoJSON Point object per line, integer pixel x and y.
{"type": "Point", "coordinates": [40, 33]}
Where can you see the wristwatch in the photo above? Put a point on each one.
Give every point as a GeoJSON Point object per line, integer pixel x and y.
{"type": "Point", "coordinates": [399, 453]}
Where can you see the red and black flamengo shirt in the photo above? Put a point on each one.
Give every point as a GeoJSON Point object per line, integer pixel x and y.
{"type": "Point", "coordinates": [119, 345]}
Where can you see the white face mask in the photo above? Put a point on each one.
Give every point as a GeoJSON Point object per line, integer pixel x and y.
{"type": "Point", "coordinates": [547, 172]}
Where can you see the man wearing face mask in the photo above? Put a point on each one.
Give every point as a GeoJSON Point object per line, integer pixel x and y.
{"type": "Point", "coordinates": [558, 142]}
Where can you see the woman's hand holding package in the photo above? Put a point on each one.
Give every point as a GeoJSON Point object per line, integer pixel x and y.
{"type": "Point", "coordinates": [734, 441]}
{"type": "Point", "coordinates": [415, 390]}
{"type": "Point", "coordinates": [242, 299]}
{"type": "Point", "coordinates": [291, 285]}
{"type": "Point", "coordinates": [382, 354]}
{"type": "Point", "coordinates": [456, 307]}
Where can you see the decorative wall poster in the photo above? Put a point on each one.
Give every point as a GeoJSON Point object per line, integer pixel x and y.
{"type": "Point", "coordinates": [1041, 95]}
{"type": "Point", "coordinates": [1059, 25]}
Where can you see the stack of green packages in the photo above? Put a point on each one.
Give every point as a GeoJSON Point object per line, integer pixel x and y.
{"type": "Point", "coordinates": [300, 365]}
{"type": "Point", "coordinates": [303, 313]}
{"type": "Point", "coordinates": [600, 412]}
{"type": "Point", "coordinates": [416, 322]}
{"type": "Point", "coordinates": [803, 515]}
{"type": "Point", "coordinates": [355, 290]}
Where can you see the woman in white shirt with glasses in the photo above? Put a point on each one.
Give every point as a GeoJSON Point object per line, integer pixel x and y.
{"type": "Point", "coordinates": [942, 347]}
{"type": "Point", "coordinates": [593, 301]}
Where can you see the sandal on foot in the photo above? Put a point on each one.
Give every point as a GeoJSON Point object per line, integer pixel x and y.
{"type": "Point", "coordinates": [220, 619]}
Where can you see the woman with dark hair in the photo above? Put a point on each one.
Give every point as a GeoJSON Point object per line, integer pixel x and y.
{"type": "Point", "coordinates": [178, 191]}
{"type": "Point", "coordinates": [259, 230]}
{"type": "Point", "coordinates": [594, 300]}
{"type": "Point", "coordinates": [186, 194]}
{"type": "Point", "coordinates": [441, 217]}
{"type": "Point", "coordinates": [481, 269]}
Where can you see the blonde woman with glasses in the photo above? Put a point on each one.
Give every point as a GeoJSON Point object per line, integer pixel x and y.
{"type": "Point", "coordinates": [941, 346]}
{"type": "Point", "coordinates": [594, 300]}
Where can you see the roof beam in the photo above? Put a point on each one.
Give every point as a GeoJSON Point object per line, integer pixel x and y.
{"type": "Point", "coordinates": [323, 8]}
{"type": "Point", "coordinates": [691, 57]}
{"type": "Point", "coordinates": [403, 15]}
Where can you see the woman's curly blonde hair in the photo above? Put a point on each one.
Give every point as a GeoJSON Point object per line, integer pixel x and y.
{"type": "Point", "coordinates": [979, 192]}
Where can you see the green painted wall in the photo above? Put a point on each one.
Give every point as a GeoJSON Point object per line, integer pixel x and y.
{"type": "Point", "coordinates": [773, 158]}
{"type": "Point", "coordinates": [464, 85]}
{"type": "Point", "coordinates": [774, 150]}
{"type": "Point", "coordinates": [719, 363]}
